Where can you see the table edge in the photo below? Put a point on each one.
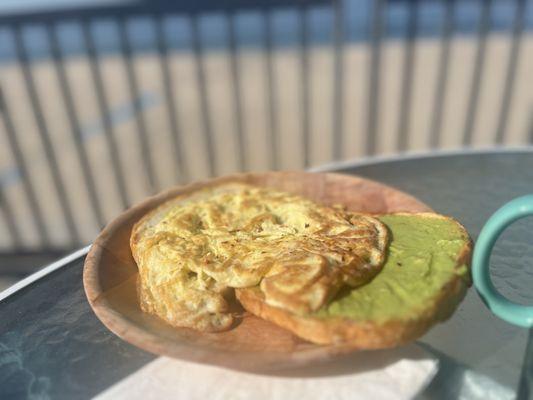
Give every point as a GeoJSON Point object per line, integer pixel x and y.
{"type": "Point", "coordinates": [43, 272]}
{"type": "Point", "coordinates": [417, 155]}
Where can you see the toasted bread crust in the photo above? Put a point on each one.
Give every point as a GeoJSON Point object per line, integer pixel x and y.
{"type": "Point", "coordinates": [368, 334]}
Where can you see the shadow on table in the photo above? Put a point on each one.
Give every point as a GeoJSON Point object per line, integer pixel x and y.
{"type": "Point", "coordinates": [358, 362]}
{"type": "Point", "coordinates": [526, 379]}
{"type": "Point", "coordinates": [455, 380]}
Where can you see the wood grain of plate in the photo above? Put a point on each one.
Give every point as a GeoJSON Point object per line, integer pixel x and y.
{"type": "Point", "coordinates": [110, 275]}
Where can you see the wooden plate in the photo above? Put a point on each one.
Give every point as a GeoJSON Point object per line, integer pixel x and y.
{"type": "Point", "coordinates": [110, 275]}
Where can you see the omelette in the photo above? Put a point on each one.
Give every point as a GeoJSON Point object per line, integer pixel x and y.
{"type": "Point", "coordinates": [193, 250]}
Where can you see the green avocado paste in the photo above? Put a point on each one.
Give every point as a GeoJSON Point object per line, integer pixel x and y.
{"type": "Point", "coordinates": [421, 260]}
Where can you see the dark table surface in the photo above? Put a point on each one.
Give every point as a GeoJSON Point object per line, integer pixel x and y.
{"type": "Point", "coordinates": [52, 345]}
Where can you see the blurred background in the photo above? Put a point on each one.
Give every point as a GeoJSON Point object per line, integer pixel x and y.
{"type": "Point", "coordinates": [104, 102]}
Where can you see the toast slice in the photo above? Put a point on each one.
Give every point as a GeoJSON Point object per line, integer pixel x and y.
{"type": "Point", "coordinates": [424, 278]}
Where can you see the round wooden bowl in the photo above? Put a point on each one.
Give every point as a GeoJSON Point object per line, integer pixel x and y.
{"type": "Point", "coordinates": [110, 275]}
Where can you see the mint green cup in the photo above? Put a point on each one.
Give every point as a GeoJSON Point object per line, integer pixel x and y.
{"type": "Point", "coordinates": [504, 308]}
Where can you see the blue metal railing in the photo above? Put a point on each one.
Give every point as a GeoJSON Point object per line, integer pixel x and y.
{"type": "Point", "coordinates": [341, 23]}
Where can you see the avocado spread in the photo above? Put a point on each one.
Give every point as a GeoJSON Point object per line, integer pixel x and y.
{"type": "Point", "coordinates": [421, 259]}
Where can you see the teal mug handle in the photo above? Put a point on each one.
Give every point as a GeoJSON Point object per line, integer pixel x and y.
{"type": "Point", "coordinates": [504, 308]}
